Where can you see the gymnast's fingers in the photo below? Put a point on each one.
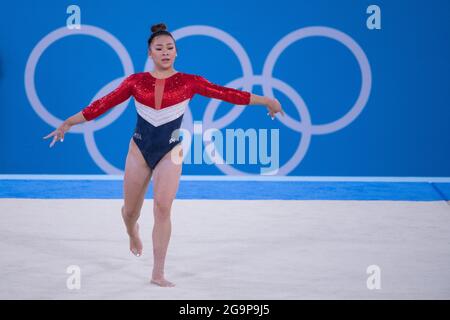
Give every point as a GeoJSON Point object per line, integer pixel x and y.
{"type": "Point", "coordinates": [50, 134]}
{"type": "Point", "coordinates": [53, 141]}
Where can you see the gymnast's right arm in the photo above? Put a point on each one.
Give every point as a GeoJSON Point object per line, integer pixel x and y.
{"type": "Point", "coordinates": [95, 109]}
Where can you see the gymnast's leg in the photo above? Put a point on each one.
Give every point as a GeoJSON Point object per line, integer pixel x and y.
{"type": "Point", "coordinates": [136, 180]}
{"type": "Point", "coordinates": [166, 177]}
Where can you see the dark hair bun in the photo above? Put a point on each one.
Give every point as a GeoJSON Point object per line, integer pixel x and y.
{"type": "Point", "coordinates": [159, 27]}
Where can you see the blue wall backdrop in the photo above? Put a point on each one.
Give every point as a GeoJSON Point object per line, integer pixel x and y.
{"type": "Point", "coordinates": [360, 102]}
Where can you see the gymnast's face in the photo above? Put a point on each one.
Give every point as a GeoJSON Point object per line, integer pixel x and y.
{"type": "Point", "coordinates": [163, 51]}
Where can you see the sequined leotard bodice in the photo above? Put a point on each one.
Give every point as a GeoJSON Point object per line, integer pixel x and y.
{"type": "Point", "coordinates": [160, 105]}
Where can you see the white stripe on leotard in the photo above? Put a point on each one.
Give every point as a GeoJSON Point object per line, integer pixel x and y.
{"type": "Point", "coordinates": [161, 116]}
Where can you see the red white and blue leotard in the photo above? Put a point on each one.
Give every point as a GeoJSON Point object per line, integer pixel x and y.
{"type": "Point", "coordinates": [160, 106]}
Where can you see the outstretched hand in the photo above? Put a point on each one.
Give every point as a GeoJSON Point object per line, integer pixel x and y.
{"type": "Point", "coordinates": [58, 134]}
{"type": "Point", "coordinates": [274, 106]}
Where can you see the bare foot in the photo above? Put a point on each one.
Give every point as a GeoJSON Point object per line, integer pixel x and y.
{"type": "Point", "coordinates": [162, 282]}
{"type": "Point", "coordinates": [135, 242]}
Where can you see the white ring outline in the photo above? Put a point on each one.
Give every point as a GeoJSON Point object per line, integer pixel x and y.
{"type": "Point", "coordinates": [245, 82]}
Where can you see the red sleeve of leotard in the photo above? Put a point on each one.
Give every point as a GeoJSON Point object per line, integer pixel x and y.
{"type": "Point", "coordinates": [208, 89]}
{"type": "Point", "coordinates": [115, 97]}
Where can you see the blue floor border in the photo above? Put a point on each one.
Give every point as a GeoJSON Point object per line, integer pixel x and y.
{"type": "Point", "coordinates": [233, 190]}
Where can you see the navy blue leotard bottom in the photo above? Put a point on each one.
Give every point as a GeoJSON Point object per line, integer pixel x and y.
{"type": "Point", "coordinates": [155, 141]}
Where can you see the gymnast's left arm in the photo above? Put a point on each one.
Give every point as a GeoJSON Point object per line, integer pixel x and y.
{"type": "Point", "coordinates": [206, 88]}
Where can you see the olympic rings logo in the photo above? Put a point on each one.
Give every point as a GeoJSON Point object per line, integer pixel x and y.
{"type": "Point", "coordinates": [246, 82]}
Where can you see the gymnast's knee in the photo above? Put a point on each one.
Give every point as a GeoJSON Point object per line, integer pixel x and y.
{"type": "Point", "coordinates": [161, 209]}
{"type": "Point", "coordinates": [130, 212]}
